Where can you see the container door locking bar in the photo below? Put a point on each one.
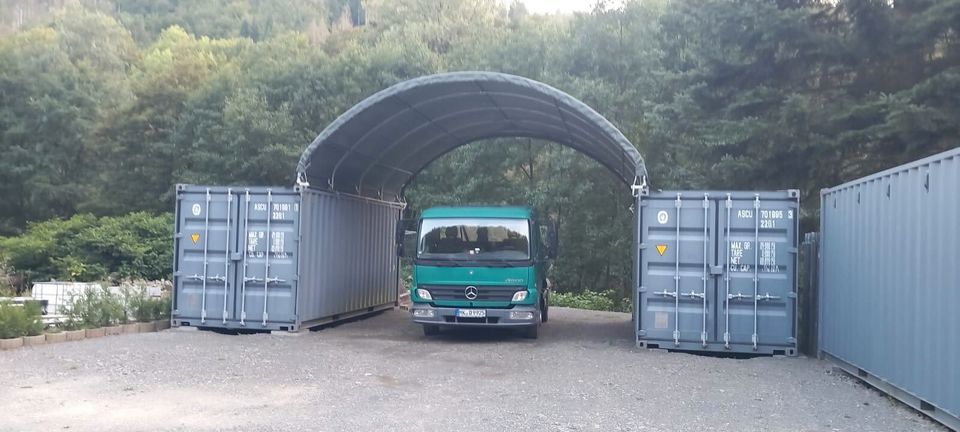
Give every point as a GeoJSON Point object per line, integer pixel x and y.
{"type": "Point", "coordinates": [206, 236]}
{"type": "Point", "coordinates": [676, 280]}
{"type": "Point", "coordinates": [226, 253]}
{"type": "Point", "coordinates": [266, 266]}
{"type": "Point", "coordinates": [726, 278]}
{"type": "Point", "coordinates": [245, 279]}
{"type": "Point", "coordinates": [703, 296]}
{"type": "Point", "coordinates": [756, 265]}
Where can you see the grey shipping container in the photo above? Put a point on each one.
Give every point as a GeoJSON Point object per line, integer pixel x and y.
{"type": "Point", "coordinates": [281, 258]}
{"type": "Point", "coordinates": [890, 282]}
{"type": "Point", "coordinates": [717, 271]}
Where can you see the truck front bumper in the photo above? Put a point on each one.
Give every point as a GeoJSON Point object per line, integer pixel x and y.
{"type": "Point", "coordinates": [516, 316]}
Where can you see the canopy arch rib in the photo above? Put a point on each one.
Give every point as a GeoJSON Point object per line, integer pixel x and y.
{"type": "Point", "coordinates": [380, 144]}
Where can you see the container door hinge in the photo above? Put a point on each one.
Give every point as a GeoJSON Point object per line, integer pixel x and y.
{"type": "Point", "coordinates": [642, 333]}
{"type": "Point", "coordinates": [792, 294]}
{"type": "Point", "coordinates": [716, 270]}
{"type": "Point", "coordinates": [792, 340]}
{"type": "Point", "coordinates": [642, 289]}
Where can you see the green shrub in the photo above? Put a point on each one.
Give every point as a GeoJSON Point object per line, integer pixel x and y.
{"type": "Point", "coordinates": [94, 308]}
{"type": "Point", "coordinates": [20, 320]}
{"type": "Point", "coordinates": [34, 318]}
{"type": "Point", "coordinates": [605, 301]}
{"type": "Point", "coordinates": [139, 306]}
{"type": "Point", "coordinates": [161, 308]}
{"type": "Point", "coordinates": [85, 248]}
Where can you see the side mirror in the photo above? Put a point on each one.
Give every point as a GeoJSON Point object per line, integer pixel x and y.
{"type": "Point", "coordinates": [553, 240]}
{"type": "Point", "coordinates": [405, 238]}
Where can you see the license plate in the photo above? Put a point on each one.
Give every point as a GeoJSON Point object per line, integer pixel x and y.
{"type": "Point", "coordinates": [471, 313]}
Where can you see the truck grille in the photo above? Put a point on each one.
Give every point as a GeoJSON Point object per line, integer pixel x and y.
{"type": "Point", "coordinates": [484, 293]}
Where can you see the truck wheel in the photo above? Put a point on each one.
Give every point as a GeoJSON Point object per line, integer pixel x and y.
{"type": "Point", "coordinates": [431, 330]}
{"type": "Point", "coordinates": [532, 332]}
{"type": "Point", "coordinates": [543, 311]}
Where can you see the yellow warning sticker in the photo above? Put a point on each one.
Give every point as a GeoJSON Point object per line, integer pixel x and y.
{"type": "Point", "coordinates": [196, 237]}
{"type": "Point", "coordinates": [661, 248]}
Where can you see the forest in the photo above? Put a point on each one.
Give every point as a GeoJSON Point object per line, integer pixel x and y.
{"type": "Point", "coordinates": [105, 105]}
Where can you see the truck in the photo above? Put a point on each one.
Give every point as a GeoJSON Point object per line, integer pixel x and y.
{"type": "Point", "coordinates": [482, 267]}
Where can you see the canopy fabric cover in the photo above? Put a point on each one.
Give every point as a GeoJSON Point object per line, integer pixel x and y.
{"type": "Point", "coordinates": [378, 146]}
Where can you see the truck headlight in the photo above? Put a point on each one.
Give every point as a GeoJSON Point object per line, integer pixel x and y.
{"type": "Point", "coordinates": [424, 294]}
{"type": "Point", "coordinates": [519, 296]}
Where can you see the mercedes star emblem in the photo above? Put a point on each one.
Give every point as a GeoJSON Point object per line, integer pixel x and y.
{"type": "Point", "coordinates": [471, 292]}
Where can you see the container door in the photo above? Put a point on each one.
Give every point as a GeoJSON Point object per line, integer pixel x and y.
{"type": "Point", "coordinates": [206, 236]}
{"type": "Point", "coordinates": [759, 255]}
{"type": "Point", "coordinates": [677, 289]}
{"type": "Point", "coordinates": [267, 276]}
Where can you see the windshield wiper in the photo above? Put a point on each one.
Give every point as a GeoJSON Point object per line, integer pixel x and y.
{"type": "Point", "coordinates": [505, 262]}
{"type": "Point", "coordinates": [441, 262]}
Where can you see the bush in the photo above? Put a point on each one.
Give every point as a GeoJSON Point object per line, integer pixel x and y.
{"type": "Point", "coordinates": [85, 248]}
{"type": "Point", "coordinates": [161, 309]}
{"type": "Point", "coordinates": [605, 301]}
{"type": "Point", "coordinates": [138, 305]}
{"type": "Point", "coordinates": [94, 308]}
{"type": "Point", "coordinates": [20, 320]}
{"type": "Point", "coordinates": [34, 318]}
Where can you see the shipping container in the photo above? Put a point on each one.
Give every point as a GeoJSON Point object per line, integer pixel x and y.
{"type": "Point", "coordinates": [281, 258]}
{"type": "Point", "coordinates": [717, 271]}
{"type": "Point", "coordinates": [890, 282]}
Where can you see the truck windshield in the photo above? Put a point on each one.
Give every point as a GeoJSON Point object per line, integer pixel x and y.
{"type": "Point", "coordinates": [474, 239]}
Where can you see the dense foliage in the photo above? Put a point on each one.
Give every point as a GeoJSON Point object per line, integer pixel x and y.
{"type": "Point", "coordinates": [101, 307]}
{"type": "Point", "coordinates": [88, 248]}
{"type": "Point", "coordinates": [605, 301]}
{"type": "Point", "coordinates": [20, 320]}
{"type": "Point", "coordinates": [106, 104]}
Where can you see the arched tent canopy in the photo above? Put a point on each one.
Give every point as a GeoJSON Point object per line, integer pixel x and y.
{"type": "Point", "coordinates": [378, 146]}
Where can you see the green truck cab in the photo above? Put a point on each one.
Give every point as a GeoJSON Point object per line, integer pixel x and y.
{"type": "Point", "coordinates": [481, 267]}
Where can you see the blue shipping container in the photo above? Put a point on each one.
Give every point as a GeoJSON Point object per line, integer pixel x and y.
{"type": "Point", "coordinates": [890, 282]}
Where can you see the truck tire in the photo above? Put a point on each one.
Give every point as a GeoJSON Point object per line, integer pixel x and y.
{"type": "Point", "coordinates": [532, 332]}
{"type": "Point", "coordinates": [543, 311]}
{"type": "Point", "coordinates": [431, 330]}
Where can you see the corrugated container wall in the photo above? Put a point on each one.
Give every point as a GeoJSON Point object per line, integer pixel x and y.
{"type": "Point", "coordinates": [890, 282]}
{"type": "Point", "coordinates": [280, 258]}
{"type": "Point", "coordinates": [717, 271]}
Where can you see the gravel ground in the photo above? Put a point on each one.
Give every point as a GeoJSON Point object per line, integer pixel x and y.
{"type": "Point", "coordinates": [584, 373]}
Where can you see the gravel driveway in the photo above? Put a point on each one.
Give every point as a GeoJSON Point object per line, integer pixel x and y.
{"type": "Point", "coordinates": [584, 373]}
